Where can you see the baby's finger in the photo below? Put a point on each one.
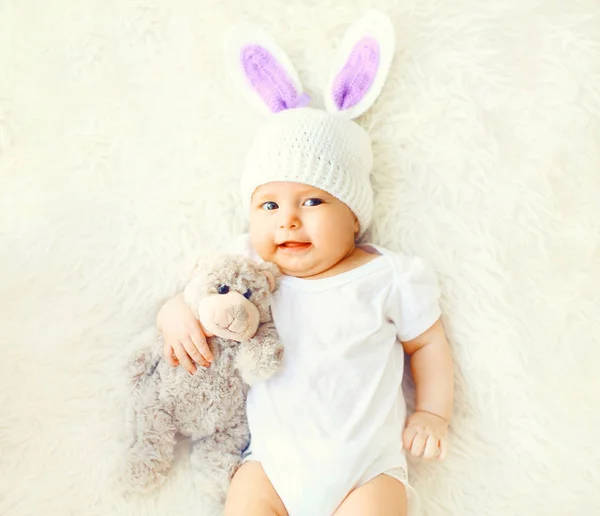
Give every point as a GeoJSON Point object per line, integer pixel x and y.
{"type": "Point", "coordinates": [443, 449]}
{"type": "Point", "coordinates": [418, 444]}
{"type": "Point", "coordinates": [184, 358]}
{"type": "Point", "coordinates": [199, 341]}
{"type": "Point", "coordinates": [168, 354]}
{"type": "Point", "coordinates": [408, 436]}
{"type": "Point", "coordinates": [431, 448]}
{"type": "Point", "coordinates": [193, 352]}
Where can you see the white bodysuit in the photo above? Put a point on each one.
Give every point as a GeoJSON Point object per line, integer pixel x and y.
{"type": "Point", "coordinates": [332, 417]}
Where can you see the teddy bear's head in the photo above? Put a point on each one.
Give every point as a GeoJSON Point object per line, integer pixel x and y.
{"type": "Point", "coordinates": [230, 295]}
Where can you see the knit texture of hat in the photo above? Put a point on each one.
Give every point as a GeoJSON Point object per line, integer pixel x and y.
{"type": "Point", "coordinates": [316, 148]}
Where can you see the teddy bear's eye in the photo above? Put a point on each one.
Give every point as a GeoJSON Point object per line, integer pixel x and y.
{"type": "Point", "coordinates": [223, 289]}
{"type": "Point", "coordinates": [247, 294]}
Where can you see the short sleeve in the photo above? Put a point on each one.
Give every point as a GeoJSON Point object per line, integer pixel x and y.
{"type": "Point", "coordinates": [241, 245]}
{"type": "Point", "coordinates": [413, 304]}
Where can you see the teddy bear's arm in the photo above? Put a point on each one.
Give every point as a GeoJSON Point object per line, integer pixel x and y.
{"type": "Point", "coordinates": [259, 357]}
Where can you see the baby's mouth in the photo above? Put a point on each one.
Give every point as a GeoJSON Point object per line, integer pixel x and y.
{"type": "Point", "coordinates": [294, 246]}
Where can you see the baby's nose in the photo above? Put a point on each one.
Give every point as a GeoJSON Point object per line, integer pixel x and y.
{"type": "Point", "coordinates": [288, 219]}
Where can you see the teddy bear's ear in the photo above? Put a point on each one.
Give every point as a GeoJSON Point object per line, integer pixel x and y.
{"type": "Point", "coordinates": [272, 273]}
{"type": "Point", "coordinates": [199, 265]}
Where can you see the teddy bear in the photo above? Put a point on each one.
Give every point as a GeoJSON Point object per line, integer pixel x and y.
{"type": "Point", "coordinates": [230, 295]}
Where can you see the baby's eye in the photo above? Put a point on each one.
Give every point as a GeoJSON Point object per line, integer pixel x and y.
{"type": "Point", "coordinates": [312, 202]}
{"type": "Point", "coordinates": [270, 205]}
{"type": "Point", "coordinates": [247, 294]}
{"type": "Point", "coordinates": [223, 289]}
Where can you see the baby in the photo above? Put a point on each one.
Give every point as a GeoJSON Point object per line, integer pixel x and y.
{"type": "Point", "coordinates": [329, 431]}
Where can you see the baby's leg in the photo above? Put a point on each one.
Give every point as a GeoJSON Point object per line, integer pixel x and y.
{"type": "Point", "coordinates": [382, 496]}
{"type": "Point", "coordinates": [252, 494]}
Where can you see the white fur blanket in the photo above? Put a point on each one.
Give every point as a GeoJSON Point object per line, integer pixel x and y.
{"type": "Point", "coordinates": [120, 147]}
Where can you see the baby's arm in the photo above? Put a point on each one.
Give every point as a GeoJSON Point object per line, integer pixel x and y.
{"type": "Point", "coordinates": [433, 372]}
{"type": "Point", "coordinates": [185, 342]}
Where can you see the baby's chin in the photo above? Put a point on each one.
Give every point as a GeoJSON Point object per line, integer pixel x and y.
{"type": "Point", "coordinates": [298, 261]}
{"type": "Point", "coordinates": [301, 267]}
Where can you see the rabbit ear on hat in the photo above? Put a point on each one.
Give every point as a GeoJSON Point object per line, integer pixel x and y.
{"type": "Point", "coordinates": [361, 65]}
{"type": "Point", "coordinates": [262, 71]}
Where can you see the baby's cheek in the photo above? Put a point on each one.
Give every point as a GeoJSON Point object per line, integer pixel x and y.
{"type": "Point", "coordinates": [262, 244]}
{"type": "Point", "coordinates": [266, 253]}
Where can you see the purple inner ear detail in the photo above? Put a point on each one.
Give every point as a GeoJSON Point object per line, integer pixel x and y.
{"type": "Point", "coordinates": [270, 80]}
{"type": "Point", "coordinates": [355, 79]}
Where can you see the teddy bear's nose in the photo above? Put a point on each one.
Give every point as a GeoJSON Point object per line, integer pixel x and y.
{"type": "Point", "coordinates": [235, 319]}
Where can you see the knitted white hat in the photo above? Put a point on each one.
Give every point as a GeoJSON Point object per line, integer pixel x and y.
{"type": "Point", "coordinates": [313, 147]}
{"type": "Point", "coordinates": [321, 148]}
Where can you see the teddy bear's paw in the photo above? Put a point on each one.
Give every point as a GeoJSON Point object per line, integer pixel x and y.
{"type": "Point", "coordinates": [267, 368]}
{"type": "Point", "coordinates": [275, 359]}
{"type": "Point", "coordinates": [213, 485]}
{"type": "Point", "coordinates": [256, 365]}
{"type": "Point", "coordinates": [144, 475]}
{"type": "Point", "coordinates": [246, 363]}
{"type": "Point", "coordinates": [212, 472]}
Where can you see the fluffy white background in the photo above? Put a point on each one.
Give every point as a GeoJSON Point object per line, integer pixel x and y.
{"type": "Point", "coordinates": [120, 146]}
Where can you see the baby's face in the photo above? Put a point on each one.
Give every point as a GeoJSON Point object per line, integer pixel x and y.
{"type": "Point", "coordinates": [302, 229]}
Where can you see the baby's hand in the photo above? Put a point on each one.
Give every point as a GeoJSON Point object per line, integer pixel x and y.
{"type": "Point", "coordinates": [185, 342]}
{"type": "Point", "coordinates": [426, 434]}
